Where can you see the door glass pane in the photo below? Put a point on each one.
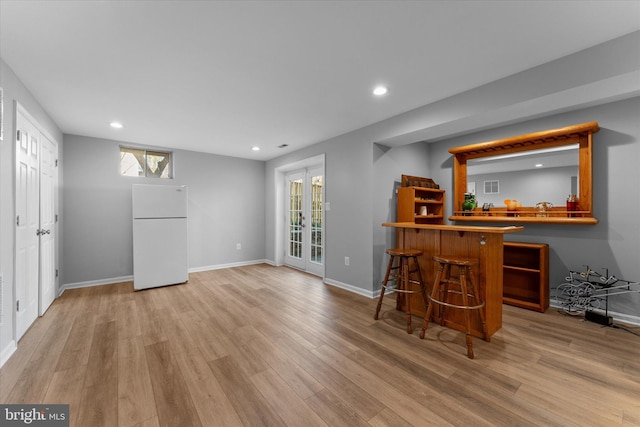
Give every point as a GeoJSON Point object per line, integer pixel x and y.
{"type": "Point", "coordinates": [316, 219]}
{"type": "Point", "coordinates": [295, 218]}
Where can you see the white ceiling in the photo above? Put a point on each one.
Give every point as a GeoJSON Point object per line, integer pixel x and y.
{"type": "Point", "coordinates": [222, 76]}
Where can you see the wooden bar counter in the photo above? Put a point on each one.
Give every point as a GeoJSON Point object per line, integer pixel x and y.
{"type": "Point", "coordinates": [482, 243]}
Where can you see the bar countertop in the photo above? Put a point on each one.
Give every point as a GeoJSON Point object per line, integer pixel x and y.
{"type": "Point", "coordinates": [482, 243]}
{"type": "Point", "coordinates": [460, 228]}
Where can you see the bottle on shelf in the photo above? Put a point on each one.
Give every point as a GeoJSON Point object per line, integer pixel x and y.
{"type": "Point", "coordinates": [572, 204]}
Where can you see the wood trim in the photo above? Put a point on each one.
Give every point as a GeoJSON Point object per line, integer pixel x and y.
{"type": "Point", "coordinates": [581, 134]}
{"type": "Point", "coordinates": [462, 228]}
{"type": "Point", "coordinates": [525, 219]}
{"type": "Point", "coordinates": [544, 139]}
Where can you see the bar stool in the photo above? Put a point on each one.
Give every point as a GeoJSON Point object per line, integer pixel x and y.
{"type": "Point", "coordinates": [464, 286]}
{"type": "Point", "coordinates": [402, 272]}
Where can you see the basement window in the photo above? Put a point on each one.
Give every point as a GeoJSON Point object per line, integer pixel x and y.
{"type": "Point", "coordinates": [146, 163]}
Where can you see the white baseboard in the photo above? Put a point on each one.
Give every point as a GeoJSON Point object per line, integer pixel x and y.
{"type": "Point", "coordinates": [89, 283]}
{"type": "Point", "coordinates": [7, 352]}
{"type": "Point", "coordinates": [121, 279]}
{"type": "Point", "coordinates": [354, 289]}
{"type": "Point", "coordinates": [621, 317]}
{"type": "Point", "coordinates": [229, 265]}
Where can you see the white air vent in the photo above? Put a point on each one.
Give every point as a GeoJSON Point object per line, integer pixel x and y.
{"type": "Point", "coordinates": [492, 187]}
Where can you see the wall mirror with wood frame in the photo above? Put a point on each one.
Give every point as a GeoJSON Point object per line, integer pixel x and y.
{"type": "Point", "coordinates": [543, 196]}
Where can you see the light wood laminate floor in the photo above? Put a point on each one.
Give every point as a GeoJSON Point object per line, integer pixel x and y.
{"type": "Point", "coordinates": [266, 346]}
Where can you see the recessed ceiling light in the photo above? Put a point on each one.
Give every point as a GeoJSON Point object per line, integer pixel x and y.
{"type": "Point", "coordinates": [116, 125]}
{"type": "Point", "coordinates": [255, 148]}
{"type": "Point", "coordinates": [539, 165]}
{"type": "Point", "coordinates": [380, 90]}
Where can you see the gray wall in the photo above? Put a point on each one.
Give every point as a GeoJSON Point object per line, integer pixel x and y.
{"type": "Point", "coordinates": [389, 164]}
{"type": "Point", "coordinates": [360, 181]}
{"type": "Point", "coordinates": [361, 195]}
{"type": "Point", "coordinates": [14, 90]}
{"type": "Point", "coordinates": [232, 201]}
{"type": "Point", "coordinates": [348, 170]}
{"type": "Point", "coordinates": [225, 207]}
{"type": "Point", "coordinates": [613, 243]}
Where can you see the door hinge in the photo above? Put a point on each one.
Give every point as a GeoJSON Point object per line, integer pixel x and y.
{"type": "Point", "coordinates": [18, 305]}
{"type": "Point", "coordinates": [18, 220]}
{"type": "Point", "coordinates": [18, 135]}
{"type": "Point", "coordinates": [56, 272]}
{"type": "Point", "coordinates": [56, 162]}
{"type": "Point", "coordinates": [56, 217]}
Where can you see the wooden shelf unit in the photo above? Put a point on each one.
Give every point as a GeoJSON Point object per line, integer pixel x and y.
{"type": "Point", "coordinates": [526, 275]}
{"type": "Point", "coordinates": [580, 134]}
{"type": "Point", "coordinates": [412, 199]}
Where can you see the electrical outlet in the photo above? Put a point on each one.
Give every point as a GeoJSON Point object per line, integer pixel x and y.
{"type": "Point", "coordinates": [238, 246]}
{"type": "Point", "coordinates": [346, 260]}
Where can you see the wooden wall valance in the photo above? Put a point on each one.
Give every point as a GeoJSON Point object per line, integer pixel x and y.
{"type": "Point", "coordinates": [580, 134]}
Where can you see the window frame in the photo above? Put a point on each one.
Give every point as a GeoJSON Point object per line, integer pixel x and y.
{"type": "Point", "coordinates": [145, 152]}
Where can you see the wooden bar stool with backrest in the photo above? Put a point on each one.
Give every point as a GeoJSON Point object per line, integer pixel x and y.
{"type": "Point", "coordinates": [444, 286]}
{"type": "Point", "coordinates": [400, 273]}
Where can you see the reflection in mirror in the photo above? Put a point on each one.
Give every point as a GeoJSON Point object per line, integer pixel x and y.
{"type": "Point", "coordinates": [530, 177]}
{"type": "Point", "coordinates": [526, 203]}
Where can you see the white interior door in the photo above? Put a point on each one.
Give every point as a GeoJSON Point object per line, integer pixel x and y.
{"type": "Point", "coordinates": [305, 220]}
{"type": "Point", "coordinates": [48, 226]}
{"type": "Point", "coordinates": [36, 221]}
{"type": "Point", "coordinates": [27, 223]}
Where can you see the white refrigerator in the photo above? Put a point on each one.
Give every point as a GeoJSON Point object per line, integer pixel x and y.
{"type": "Point", "coordinates": [159, 235]}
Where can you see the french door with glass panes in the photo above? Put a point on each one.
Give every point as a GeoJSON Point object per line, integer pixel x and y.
{"type": "Point", "coordinates": [304, 246]}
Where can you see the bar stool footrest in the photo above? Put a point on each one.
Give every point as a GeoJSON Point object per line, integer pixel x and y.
{"type": "Point", "coordinates": [462, 307]}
